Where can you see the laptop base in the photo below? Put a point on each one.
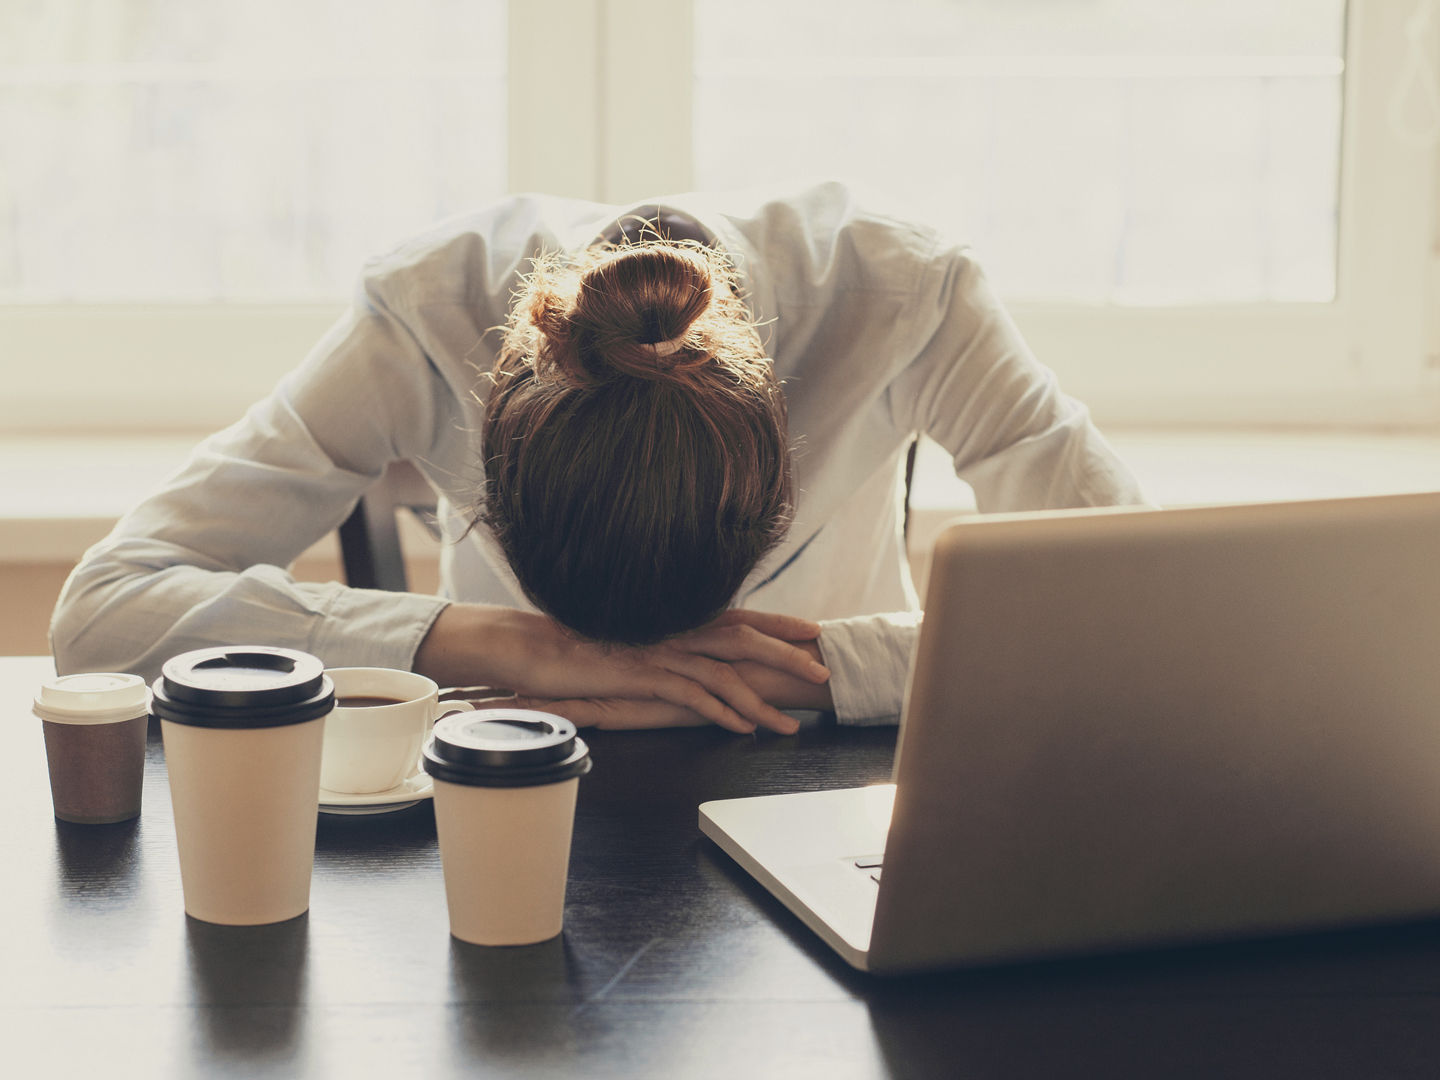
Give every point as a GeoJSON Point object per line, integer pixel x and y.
{"type": "Point", "coordinates": [804, 848]}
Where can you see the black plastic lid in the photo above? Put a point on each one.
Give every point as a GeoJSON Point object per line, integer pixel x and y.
{"type": "Point", "coordinates": [505, 748]}
{"type": "Point", "coordinates": [243, 686]}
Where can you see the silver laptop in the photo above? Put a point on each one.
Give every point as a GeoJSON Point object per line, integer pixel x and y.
{"type": "Point", "coordinates": [1131, 728]}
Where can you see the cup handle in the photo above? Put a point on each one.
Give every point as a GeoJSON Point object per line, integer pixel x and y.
{"type": "Point", "coordinates": [445, 709]}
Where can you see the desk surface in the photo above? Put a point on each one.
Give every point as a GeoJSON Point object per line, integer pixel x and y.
{"type": "Point", "coordinates": [673, 962]}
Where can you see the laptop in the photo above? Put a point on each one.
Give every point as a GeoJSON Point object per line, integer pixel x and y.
{"type": "Point", "coordinates": [1131, 728]}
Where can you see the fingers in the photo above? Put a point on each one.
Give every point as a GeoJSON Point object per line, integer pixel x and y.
{"type": "Point", "coordinates": [579, 711]}
{"type": "Point", "coordinates": [714, 690]}
{"type": "Point", "coordinates": [674, 680]}
{"type": "Point", "coordinates": [678, 690]}
{"type": "Point", "coordinates": [693, 673]}
{"type": "Point", "coordinates": [622, 714]}
{"type": "Point", "coordinates": [738, 642]}
{"type": "Point", "coordinates": [617, 714]}
{"type": "Point", "coordinates": [785, 627]}
{"type": "Point", "coordinates": [582, 712]}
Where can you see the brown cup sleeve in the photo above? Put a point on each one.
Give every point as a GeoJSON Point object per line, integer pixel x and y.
{"type": "Point", "coordinates": [96, 770]}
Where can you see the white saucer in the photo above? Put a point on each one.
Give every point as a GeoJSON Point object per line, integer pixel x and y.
{"type": "Point", "coordinates": [414, 790]}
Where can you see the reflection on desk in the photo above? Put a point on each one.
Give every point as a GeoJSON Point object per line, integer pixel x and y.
{"type": "Point", "coordinates": [674, 963]}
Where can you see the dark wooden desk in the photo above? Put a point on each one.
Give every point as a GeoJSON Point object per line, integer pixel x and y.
{"type": "Point", "coordinates": [673, 962]}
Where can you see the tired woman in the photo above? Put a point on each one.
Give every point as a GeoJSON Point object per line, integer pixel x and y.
{"type": "Point", "coordinates": [668, 446]}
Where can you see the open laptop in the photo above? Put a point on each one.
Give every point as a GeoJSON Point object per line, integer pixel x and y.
{"type": "Point", "coordinates": [1131, 728]}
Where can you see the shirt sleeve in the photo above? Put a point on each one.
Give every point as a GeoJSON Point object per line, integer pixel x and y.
{"type": "Point", "coordinates": [200, 562]}
{"type": "Point", "coordinates": [1021, 444]}
{"type": "Point", "coordinates": [869, 660]}
{"type": "Point", "coordinates": [976, 389]}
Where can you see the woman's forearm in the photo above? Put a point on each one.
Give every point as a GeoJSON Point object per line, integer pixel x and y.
{"type": "Point", "coordinates": [460, 649]}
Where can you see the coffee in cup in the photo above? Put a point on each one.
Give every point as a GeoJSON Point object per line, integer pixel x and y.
{"type": "Point", "coordinates": [381, 720]}
{"type": "Point", "coordinates": [505, 787]}
{"type": "Point", "coordinates": [95, 745]}
{"type": "Point", "coordinates": [243, 729]}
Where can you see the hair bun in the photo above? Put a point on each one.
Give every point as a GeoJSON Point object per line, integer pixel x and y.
{"type": "Point", "coordinates": [657, 311]}
{"type": "Point", "coordinates": [632, 313]}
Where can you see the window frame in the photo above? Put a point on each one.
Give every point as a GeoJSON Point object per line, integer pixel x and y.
{"type": "Point", "coordinates": [1370, 357]}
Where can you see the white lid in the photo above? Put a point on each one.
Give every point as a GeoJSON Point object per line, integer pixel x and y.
{"type": "Point", "coordinates": [100, 697]}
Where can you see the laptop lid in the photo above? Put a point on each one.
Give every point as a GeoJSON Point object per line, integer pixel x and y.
{"type": "Point", "coordinates": [1130, 728]}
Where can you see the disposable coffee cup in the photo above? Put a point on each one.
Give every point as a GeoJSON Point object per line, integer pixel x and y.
{"type": "Point", "coordinates": [95, 745]}
{"type": "Point", "coordinates": [243, 729]}
{"type": "Point", "coordinates": [381, 720]}
{"type": "Point", "coordinates": [505, 787]}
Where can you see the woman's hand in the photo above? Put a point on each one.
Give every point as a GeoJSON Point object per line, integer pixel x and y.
{"type": "Point", "coordinates": [779, 688]}
{"type": "Point", "coordinates": [692, 673]}
{"type": "Point", "coordinates": [776, 687]}
{"type": "Point", "coordinates": [610, 714]}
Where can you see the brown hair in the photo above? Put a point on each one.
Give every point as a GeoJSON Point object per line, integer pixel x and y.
{"type": "Point", "coordinates": [633, 488]}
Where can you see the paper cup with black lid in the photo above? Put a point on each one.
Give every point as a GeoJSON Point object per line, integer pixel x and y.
{"type": "Point", "coordinates": [95, 744]}
{"type": "Point", "coordinates": [243, 729]}
{"type": "Point", "coordinates": [505, 786]}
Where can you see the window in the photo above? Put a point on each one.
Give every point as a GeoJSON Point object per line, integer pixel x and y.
{"type": "Point", "coordinates": [1238, 232]}
{"type": "Point", "coordinates": [237, 150]}
{"type": "Point", "coordinates": [1155, 151]}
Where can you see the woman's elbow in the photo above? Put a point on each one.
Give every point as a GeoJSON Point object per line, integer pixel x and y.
{"type": "Point", "coordinates": [94, 626]}
{"type": "Point", "coordinates": [74, 613]}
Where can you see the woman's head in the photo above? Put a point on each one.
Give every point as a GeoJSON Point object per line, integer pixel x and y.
{"type": "Point", "coordinates": [636, 457]}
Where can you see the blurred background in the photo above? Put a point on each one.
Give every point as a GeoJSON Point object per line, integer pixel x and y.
{"type": "Point", "coordinates": [1216, 220]}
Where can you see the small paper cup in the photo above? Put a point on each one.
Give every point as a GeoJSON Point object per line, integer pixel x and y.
{"type": "Point", "coordinates": [95, 745]}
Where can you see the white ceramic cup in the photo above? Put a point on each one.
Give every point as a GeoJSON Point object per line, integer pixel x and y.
{"type": "Point", "coordinates": [372, 749]}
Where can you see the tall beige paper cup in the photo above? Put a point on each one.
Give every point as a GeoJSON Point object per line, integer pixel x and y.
{"type": "Point", "coordinates": [244, 728]}
{"type": "Point", "coordinates": [506, 855]}
{"type": "Point", "coordinates": [246, 804]}
{"type": "Point", "coordinates": [505, 787]}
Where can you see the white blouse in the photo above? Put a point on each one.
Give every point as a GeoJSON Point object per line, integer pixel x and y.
{"type": "Point", "coordinates": [878, 328]}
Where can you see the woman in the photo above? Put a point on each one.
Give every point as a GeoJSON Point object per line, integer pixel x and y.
{"type": "Point", "coordinates": [638, 467]}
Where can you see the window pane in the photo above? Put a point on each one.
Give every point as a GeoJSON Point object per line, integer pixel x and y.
{"type": "Point", "coordinates": [1133, 151]}
{"type": "Point", "coordinates": [237, 149]}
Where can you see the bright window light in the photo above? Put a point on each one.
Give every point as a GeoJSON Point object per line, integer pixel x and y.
{"type": "Point", "coordinates": [237, 150]}
{"type": "Point", "coordinates": [1097, 151]}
